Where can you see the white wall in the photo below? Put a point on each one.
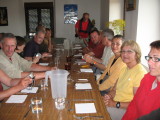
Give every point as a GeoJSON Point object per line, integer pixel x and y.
{"type": "Point", "coordinates": [104, 13]}
{"type": "Point", "coordinates": [116, 9]}
{"type": "Point", "coordinates": [68, 30]}
{"type": "Point", "coordinates": [143, 25]}
{"type": "Point", "coordinates": [131, 23]}
{"type": "Point", "coordinates": [16, 15]}
{"type": "Point", "coordinates": [148, 25]}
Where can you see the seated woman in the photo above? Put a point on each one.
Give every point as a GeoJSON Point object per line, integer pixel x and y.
{"type": "Point", "coordinates": [20, 47]}
{"type": "Point", "coordinates": [147, 98]}
{"type": "Point", "coordinates": [18, 84]}
{"type": "Point", "coordinates": [130, 76]}
{"type": "Point", "coordinates": [114, 66]}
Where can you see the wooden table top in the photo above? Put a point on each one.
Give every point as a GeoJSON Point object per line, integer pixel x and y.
{"type": "Point", "coordinates": [16, 111]}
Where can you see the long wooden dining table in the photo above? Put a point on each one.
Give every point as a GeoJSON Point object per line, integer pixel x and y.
{"type": "Point", "coordinates": [22, 111]}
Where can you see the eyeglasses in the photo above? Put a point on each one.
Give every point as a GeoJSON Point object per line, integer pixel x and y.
{"type": "Point", "coordinates": [117, 44]}
{"type": "Point", "coordinates": [127, 51]}
{"type": "Point", "coordinates": [154, 59]}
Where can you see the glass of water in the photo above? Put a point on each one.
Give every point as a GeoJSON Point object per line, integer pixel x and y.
{"type": "Point", "coordinates": [60, 103]}
{"type": "Point", "coordinates": [56, 61]}
{"type": "Point", "coordinates": [36, 105]}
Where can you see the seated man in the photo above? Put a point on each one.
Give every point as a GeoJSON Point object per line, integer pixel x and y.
{"type": "Point", "coordinates": [100, 64]}
{"type": "Point", "coordinates": [14, 65]}
{"type": "Point", "coordinates": [16, 85]}
{"type": "Point", "coordinates": [46, 45]}
{"type": "Point", "coordinates": [95, 46]}
{"type": "Point", "coordinates": [20, 45]}
{"type": "Point", "coordinates": [32, 47]}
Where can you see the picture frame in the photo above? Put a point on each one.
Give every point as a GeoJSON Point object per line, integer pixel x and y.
{"type": "Point", "coordinates": [130, 5]}
{"type": "Point", "coordinates": [3, 16]}
{"type": "Point", "coordinates": [70, 13]}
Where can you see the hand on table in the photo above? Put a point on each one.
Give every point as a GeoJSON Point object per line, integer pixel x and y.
{"type": "Point", "coordinates": [24, 82]}
{"type": "Point", "coordinates": [45, 54]}
{"type": "Point", "coordinates": [108, 101]}
{"type": "Point", "coordinates": [36, 59]}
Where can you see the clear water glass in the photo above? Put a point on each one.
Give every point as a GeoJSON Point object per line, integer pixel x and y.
{"type": "Point", "coordinates": [36, 105]}
{"type": "Point", "coordinates": [60, 103]}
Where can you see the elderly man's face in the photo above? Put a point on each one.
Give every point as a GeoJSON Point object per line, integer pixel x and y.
{"type": "Point", "coordinates": [105, 41]}
{"type": "Point", "coordinates": [39, 37]}
{"type": "Point", "coordinates": [95, 37]}
{"type": "Point", "coordinates": [154, 67]}
{"type": "Point", "coordinates": [8, 46]}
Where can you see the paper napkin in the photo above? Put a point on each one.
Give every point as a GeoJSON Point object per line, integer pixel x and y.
{"type": "Point", "coordinates": [82, 108]}
{"type": "Point", "coordinates": [16, 99]}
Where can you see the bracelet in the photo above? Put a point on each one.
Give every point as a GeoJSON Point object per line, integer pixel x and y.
{"type": "Point", "coordinates": [94, 63]}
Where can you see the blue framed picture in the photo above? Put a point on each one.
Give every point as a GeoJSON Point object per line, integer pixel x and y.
{"type": "Point", "coordinates": [70, 13]}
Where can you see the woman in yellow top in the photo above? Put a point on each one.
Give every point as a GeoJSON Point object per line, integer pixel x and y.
{"type": "Point", "coordinates": [120, 96]}
{"type": "Point", "coordinates": [114, 66]}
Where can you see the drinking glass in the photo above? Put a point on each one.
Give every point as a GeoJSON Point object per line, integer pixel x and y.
{"type": "Point", "coordinates": [56, 61]}
{"type": "Point", "coordinates": [31, 75]}
{"type": "Point", "coordinates": [67, 66]}
{"type": "Point", "coordinates": [36, 105]}
{"type": "Point", "coordinates": [60, 103]}
{"type": "Point", "coordinates": [43, 85]}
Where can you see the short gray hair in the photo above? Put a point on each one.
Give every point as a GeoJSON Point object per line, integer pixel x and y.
{"type": "Point", "coordinates": [41, 29]}
{"type": "Point", "coordinates": [108, 33]}
{"type": "Point", "coordinates": [7, 35]}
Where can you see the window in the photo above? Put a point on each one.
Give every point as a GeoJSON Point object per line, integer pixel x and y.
{"type": "Point", "coordinates": [40, 13]}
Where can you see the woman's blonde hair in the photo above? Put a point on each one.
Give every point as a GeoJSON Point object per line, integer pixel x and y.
{"type": "Point", "coordinates": [135, 47]}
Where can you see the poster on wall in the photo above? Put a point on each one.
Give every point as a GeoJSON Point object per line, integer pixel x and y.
{"type": "Point", "coordinates": [70, 13]}
{"type": "Point", "coordinates": [3, 16]}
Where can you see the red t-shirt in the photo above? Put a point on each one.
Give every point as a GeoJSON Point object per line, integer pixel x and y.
{"type": "Point", "coordinates": [145, 99]}
{"type": "Point", "coordinates": [84, 28]}
{"type": "Point", "coordinates": [97, 49]}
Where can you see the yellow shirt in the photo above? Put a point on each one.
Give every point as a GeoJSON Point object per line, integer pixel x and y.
{"type": "Point", "coordinates": [113, 72]}
{"type": "Point", "coordinates": [128, 79]}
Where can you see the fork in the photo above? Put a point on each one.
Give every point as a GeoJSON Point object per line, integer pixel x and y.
{"type": "Point", "coordinates": [82, 117]}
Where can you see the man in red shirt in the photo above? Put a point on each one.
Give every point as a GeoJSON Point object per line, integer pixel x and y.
{"type": "Point", "coordinates": [147, 97]}
{"type": "Point", "coordinates": [95, 46]}
{"type": "Point", "coordinates": [83, 27]}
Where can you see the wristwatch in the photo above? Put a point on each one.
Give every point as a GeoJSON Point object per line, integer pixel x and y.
{"type": "Point", "coordinates": [118, 105]}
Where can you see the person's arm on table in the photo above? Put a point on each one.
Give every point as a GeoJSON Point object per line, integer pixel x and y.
{"type": "Point", "coordinates": [38, 68]}
{"type": "Point", "coordinates": [21, 85]}
{"type": "Point", "coordinates": [112, 103]}
{"type": "Point", "coordinates": [96, 61]}
{"type": "Point", "coordinates": [38, 75]}
{"type": "Point", "coordinates": [18, 84]}
{"type": "Point", "coordinates": [108, 100]}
